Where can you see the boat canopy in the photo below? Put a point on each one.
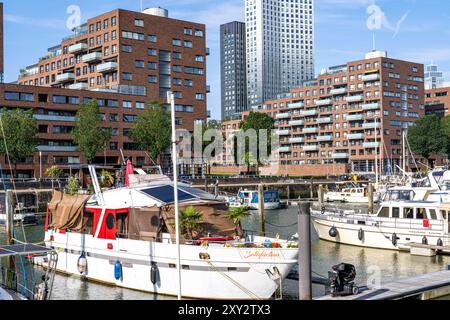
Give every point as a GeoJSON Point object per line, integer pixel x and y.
{"type": "Point", "coordinates": [165, 195]}
{"type": "Point", "coordinates": [66, 211]}
{"type": "Point", "coordinates": [23, 250]}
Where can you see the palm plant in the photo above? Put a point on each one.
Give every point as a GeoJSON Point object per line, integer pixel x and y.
{"type": "Point", "coordinates": [237, 215]}
{"type": "Point", "coordinates": [190, 221]}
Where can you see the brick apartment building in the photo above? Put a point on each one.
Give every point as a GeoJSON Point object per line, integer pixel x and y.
{"type": "Point", "coordinates": [337, 123]}
{"type": "Point", "coordinates": [122, 59]}
{"type": "Point", "coordinates": [437, 101]}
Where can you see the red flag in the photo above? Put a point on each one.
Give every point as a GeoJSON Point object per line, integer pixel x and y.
{"type": "Point", "coordinates": [129, 171]}
{"type": "Point", "coordinates": [426, 223]}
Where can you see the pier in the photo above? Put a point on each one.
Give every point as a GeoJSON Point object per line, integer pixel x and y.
{"type": "Point", "coordinates": [424, 287]}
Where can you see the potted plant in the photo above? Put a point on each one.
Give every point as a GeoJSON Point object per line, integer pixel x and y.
{"type": "Point", "coordinates": [106, 179]}
{"type": "Point", "coordinates": [237, 215]}
{"type": "Point", "coordinates": [190, 221]}
{"type": "Point", "coordinates": [54, 172]}
{"type": "Point", "coordinates": [72, 187]}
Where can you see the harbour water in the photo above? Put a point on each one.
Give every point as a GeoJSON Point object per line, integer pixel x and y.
{"type": "Point", "coordinates": [371, 264]}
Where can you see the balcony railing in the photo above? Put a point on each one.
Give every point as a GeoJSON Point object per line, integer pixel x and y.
{"type": "Point", "coordinates": [283, 132]}
{"type": "Point", "coordinates": [307, 113]}
{"type": "Point", "coordinates": [356, 98]}
{"type": "Point", "coordinates": [310, 148]}
{"type": "Point", "coordinates": [79, 47]}
{"type": "Point", "coordinates": [323, 102]}
{"type": "Point", "coordinates": [325, 138]}
{"type": "Point", "coordinates": [65, 77]}
{"type": "Point", "coordinates": [57, 148]}
{"type": "Point", "coordinates": [371, 106]}
{"type": "Point", "coordinates": [284, 149]}
{"type": "Point", "coordinates": [338, 91]}
{"type": "Point", "coordinates": [325, 120]}
{"type": "Point", "coordinates": [283, 116]}
{"type": "Point", "coordinates": [355, 136]}
{"type": "Point", "coordinates": [79, 86]}
{"type": "Point", "coordinates": [297, 140]}
{"type": "Point", "coordinates": [371, 77]}
{"type": "Point", "coordinates": [355, 117]}
{"type": "Point", "coordinates": [107, 67]}
{"type": "Point", "coordinates": [371, 145]}
{"type": "Point", "coordinates": [92, 57]}
{"type": "Point", "coordinates": [340, 155]}
{"type": "Point", "coordinates": [372, 125]}
{"type": "Point", "coordinates": [296, 105]}
{"type": "Point", "coordinates": [47, 117]}
{"type": "Point", "coordinates": [310, 130]}
{"type": "Point", "coordinates": [295, 123]}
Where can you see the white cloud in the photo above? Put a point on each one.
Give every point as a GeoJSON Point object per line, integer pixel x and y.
{"type": "Point", "coordinates": [40, 23]}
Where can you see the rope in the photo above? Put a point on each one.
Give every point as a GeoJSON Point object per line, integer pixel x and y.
{"type": "Point", "coordinates": [12, 175]}
{"type": "Point", "coordinates": [244, 289]}
{"type": "Point", "coordinates": [278, 226]}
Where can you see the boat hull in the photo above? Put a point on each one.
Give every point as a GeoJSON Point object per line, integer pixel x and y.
{"type": "Point", "coordinates": [230, 273]}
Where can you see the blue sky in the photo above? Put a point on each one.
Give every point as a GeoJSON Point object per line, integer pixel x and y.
{"type": "Point", "coordinates": [417, 30]}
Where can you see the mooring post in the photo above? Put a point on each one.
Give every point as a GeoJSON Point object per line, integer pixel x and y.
{"type": "Point", "coordinates": [304, 254]}
{"type": "Point", "coordinates": [216, 189]}
{"type": "Point", "coordinates": [321, 196]}
{"type": "Point", "coordinates": [206, 184]}
{"type": "Point", "coordinates": [311, 190]}
{"type": "Point", "coordinates": [288, 191]}
{"type": "Point", "coordinates": [370, 198]}
{"type": "Point", "coordinates": [262, 219]}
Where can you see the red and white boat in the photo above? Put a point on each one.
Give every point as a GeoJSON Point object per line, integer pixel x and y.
{"type": "Point", "coordinates": [125, 237]}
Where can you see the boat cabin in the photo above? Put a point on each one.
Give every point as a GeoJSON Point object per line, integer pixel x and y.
{"type": "Point", "coordinates": [412, 210]}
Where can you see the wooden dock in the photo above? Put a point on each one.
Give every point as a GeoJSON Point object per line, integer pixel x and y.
{"type": "Point", "coordinates": [423, 287]}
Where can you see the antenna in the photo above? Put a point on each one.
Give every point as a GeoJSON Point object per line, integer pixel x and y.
{"type": "Point", "coordinates": [142, 5]}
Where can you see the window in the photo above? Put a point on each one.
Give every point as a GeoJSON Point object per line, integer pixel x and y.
{"type": "Point", "coordinates": [114, 49]}
{"type": "Point", "coordinates": [421, 213]}
{"type": "Point", "coordinates": [177, 82]}
{"type": "Point", "coordinates": [408, 213]}
{"type": "Point", "coordinates": [133, 35]}
{"type": "Point", "coordinates": [129, 118]}
{"type": "Point", "coordinates": [152, 79]}
{"type": "Point", "coordinates": [199, 58]}
{"type": "Point", "coordinates": [152, 38]}
{"type": "Point", "coordinates": [106, 37]}
{"type": "Point", "coordinates": [113, 35]}
{"type": "Point", "coordinates": [396, 213]}
{"type": "Point", "coordinates": [113, 21]}
{"type": "Point", "coordinates": [177, 68]}
{"type": "Point", "coordinates": [138, 23]}
{"type": "Point", "coordinates": [199, 33]}
{"type": "Point", "coordinates": [127, 48]}
{"type": "Point", "coordinates": [200, 96]}
{"type": "Point", "coordinates": [91, 28]}
{"type": "Point", "coordinates": [105, 24]}
{"type": "Point", "coordinates": [127, 104]}
{"type": "Point", "coordinates": [99, 25]}
{"type": "Point", "coordinates": [176, 42]}
{"type": "Point", "coordinates": [384, 212]}
{"type": "Point", "coordinates": [127, 76]}
{"type": "Point", "coordinates": [188, 31]}
{"type": "Point", "coordinates": [113, 117]}
{"type": "Point", "coordinates": [192, 70]}
{"type": "Point", "coordinates": [18, 96]}
{"type": "Point", "coordinates": [188, 44]}
{"type": "Point", "coordinates": [178, 95]}
{"type": "Point", "coordinates": [112, 103]}
{"type": "Point", "coordinates": [139, 64]}
{"type": "Point", "coordinates": [152, 65]}
{"type": "Point", "coordinates": [140, 105]}
{"type": "Point", "coordinates": [99, 40]}
{"type": "Point", "coordinates": [433, 215]}
{"type": "Point", "coordinates": [188, 83]}
{"type": "Point", "coordinates": [152, 52]}
{"type": "Point", "coordinates": [177, 55]}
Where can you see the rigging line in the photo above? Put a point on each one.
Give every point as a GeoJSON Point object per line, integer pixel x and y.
{"type": "Point", "coordinates": [278, 226]}
{"type": "Point", "coordinates": [12, 175]}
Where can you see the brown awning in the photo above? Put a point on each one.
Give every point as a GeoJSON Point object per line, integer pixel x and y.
{"type": "Point", "coordinates": [66, 211]}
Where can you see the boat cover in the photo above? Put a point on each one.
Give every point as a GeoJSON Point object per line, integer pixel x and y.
{"type": "Point", "coordinates": [66, 211]}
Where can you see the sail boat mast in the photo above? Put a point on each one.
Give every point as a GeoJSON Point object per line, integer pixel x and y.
{"type": "Point", "coordinates": [376, 152]}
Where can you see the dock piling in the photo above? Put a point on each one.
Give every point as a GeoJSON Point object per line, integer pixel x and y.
{"type": "Point", "coordinates": [370, 198]}
{"type": "Point", "coordinates": [321, 196]}
{"type": "Point", "coordinates": [262, 219]}
{"type": "Point", "coordinates": [304, 255]}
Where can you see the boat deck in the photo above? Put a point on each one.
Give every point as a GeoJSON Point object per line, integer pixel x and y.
{"type": "Point", "coordinates": [423, 287]}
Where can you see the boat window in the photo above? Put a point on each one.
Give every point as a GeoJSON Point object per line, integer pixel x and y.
{"type": "Point", "coordinates": [444, 214]}
{"type": "Point", "coordinates": [433, 215]}
{"type": "Point", "coordinates": [165, 194]}
{"type": "Point", "coordinates": [408, 213]}
{"type": "Point", "coordinates": [421, 213]}
{"type": "Point", "coordinates": [384, 213]}
{"type": "Point", "coordinates": [122, 225]}
{"type": "Point", "coordinates": [88, 222]}
{"type": "Point", "coordinates": [396, 213]}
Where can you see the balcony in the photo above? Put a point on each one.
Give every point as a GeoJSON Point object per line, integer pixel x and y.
{"type": "Point", "coordinates": [356, 98]}
{"type": "Point", "coordinates": [338, 91]}
{"type": "Point", "coordinates": [371, 77]}
{"type": "Point", "coordinates": [283, 116]}
{"type": "Point", "coordinates": [371, 145]}
{"type": "Point", "coordinates": [283, 132]}
{"type": "Point", "coordinates": [65, 77]}
{"type": "Point", "coordinates": [310, 148]}
{"type": "Point", "coordinates": [208, 89]}
{"type": "Point", "coordinates": [77, 48]}
{"type": "Point", "coordinates": [47, 117]}
{"type": "Point", "coordinates": [325, 120]}
{"type": "Point", "coordinates": [92, 57]}
{"type": "Point", "coordinates": [57, 148]}
{"type": "Point", "coordinates": [372, 125]}
{"type": "Point", "coordinates": [79, 86]}
{"type": "Point", "coordinates": [340, 155]}
{"type": "Point", "coordinates": [297, 140]}
{"type": "Point", "coordinates": [355, 136]}
{"type": "Point", "coordinates": [325, 138]}
{"type": "Point", "coordinates": [355, 117]}
{"type": "Point", "coordinates": [284, 149]}
{"type": "Point", "coordinates": [296, 105]}
{"type": "Point", "coordinates": [371, 106]}
{"type": "Point", "coordinates": [323, 102]}
{"type": "Point", "coordinates": [107, 67]}
{"type": "Point", "coordinates": [296, 123]}
{"type": "Point", "coordinates": [308, 113]}
{"type": "Point", "coordinates": [310, 130]}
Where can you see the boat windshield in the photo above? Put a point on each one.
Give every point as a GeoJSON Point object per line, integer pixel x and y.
{"type": "Point", "coordinates": [399, 195]}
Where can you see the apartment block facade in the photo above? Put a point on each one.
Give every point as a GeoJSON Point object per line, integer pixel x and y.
{"type": "Point", "coordinates": [142, 54]}
{"type": "Point", "coordinates": [233, 68]}
{"type": "Point", "coordinates": [280, 47]}
{"type": "Point", "coordinates": [339, 122]}
{"type": "Point", "coordinates": [437, 101]}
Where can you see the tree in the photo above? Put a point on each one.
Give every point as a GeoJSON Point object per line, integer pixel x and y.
{"type": "Point", "coordinates": [153, 129]}
{"type": "Point", "coordinates": [210, 125]}
{"type": "Point", "coordinates": [258, 121]}
{"type": "Point", "coordinates": [72, 187]}
{"type": "Point", "coordinates": [427, 137]}
{"type": "Point", "coordinates": [237, 215]}
{"type": "Point", "coordinates": [54, 172]}
{"type": "Point", "coordinates": [88, 133]}
{"type": "Point", "coordinates": [445, 123]}
{"type": "Point", "coordinates": [18, 134]}
{"type": "Point", "coordinates": [190, 221]}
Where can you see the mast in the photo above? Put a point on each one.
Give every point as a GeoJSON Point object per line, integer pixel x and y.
{"type": "Point", "coordinates": [171, 100]}
{"type": "Point", "coordinates": [404, 152]}
{"type": "Point", "coordinates": [376, 152]}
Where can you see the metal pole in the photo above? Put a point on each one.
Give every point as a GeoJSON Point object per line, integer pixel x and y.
{"type": "Point", "coordinates": [288, 190]}
{"type": "Point", "coordinates": [262, 219]}
{"type": "Point", "coordinates": [311, 189]}
{"type": "Point", "coordinates": [171, 99]}
{"type": "Point", "coordinates": [304, 255]}
{"type": "Point", "coordinates": [40, 165]}
{"type": "Point", "coordinates": [370, 198]}
{"type": "Point", "coordinates": [9, 221]}
{"type": "Point", "coordinates": [376, 152]}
